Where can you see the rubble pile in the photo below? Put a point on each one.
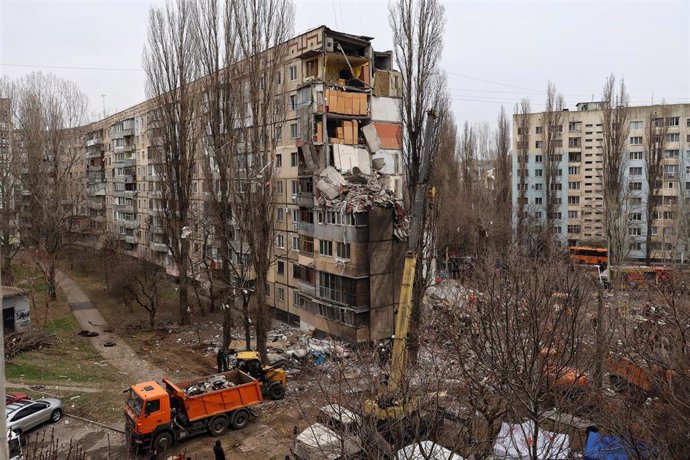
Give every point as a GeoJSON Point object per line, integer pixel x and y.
{"type": "Point", "coordinates": [448, 293]}
{"type": "Point", "coordinates": [214, 383]}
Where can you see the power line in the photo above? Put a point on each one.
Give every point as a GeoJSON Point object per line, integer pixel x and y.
{"type": "Point", "coordinates": [494, 82]}
{"type": "Point", "coordinates": [72, 67]}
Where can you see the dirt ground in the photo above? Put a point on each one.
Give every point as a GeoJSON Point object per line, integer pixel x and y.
{"type": "Point", "coordinates": [91, 382]}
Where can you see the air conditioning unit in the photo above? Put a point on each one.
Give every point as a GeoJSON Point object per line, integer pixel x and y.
{"type": "Point", "coordinates": [330, 44]}
{"type": "Point", "coordinates": [293, 198]}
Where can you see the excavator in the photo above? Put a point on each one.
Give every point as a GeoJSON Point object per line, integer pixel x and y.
{"type": "Point", "coordinates": [392, 407]}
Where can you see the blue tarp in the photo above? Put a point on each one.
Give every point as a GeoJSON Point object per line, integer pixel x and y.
{"type": "Point", "coordinates": [610, 447]}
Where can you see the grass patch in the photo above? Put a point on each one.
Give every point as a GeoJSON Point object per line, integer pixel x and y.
{"type": "Point", "coordinates": [62, 325]}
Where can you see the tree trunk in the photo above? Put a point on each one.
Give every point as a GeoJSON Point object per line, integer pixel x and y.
{"type": "Point", "coordinates": [599, 362]}
{"type": "Point", "coordinates": [184, 282]}
{"type": "Point", "coordinates": [416, 309]}
{"type": "Point", "coordinates": [247, 324]}
{"type": "Point", "coordinates": [227, 324]}
{"type": "Point", "coordinates": [152, 316]}
{"type": "Point", "coordinates": [52, 281]}
{"type": "Point", "coordinates": [263, 321]}
{"type": "Point", "coordinates": [7, 276]}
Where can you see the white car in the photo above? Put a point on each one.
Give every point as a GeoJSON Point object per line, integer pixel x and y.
{"type": "Point", "coordinates": [24, 415]}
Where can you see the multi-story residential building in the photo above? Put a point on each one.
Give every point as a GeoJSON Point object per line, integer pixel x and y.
{"type": "Point", "coordinates": [579, 205]}
{"type": "Point", "coordinates": [338, 188]}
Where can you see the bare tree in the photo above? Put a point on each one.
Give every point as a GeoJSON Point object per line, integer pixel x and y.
{"type": "Point", "coordinates": [418, 29]}
{"type": "Point", "coordinates": [10, 185]}
{"type": "Point", "coordinates": [46, 113]}
{"type": "Point", "coordinates": [260, 30]}
{"type": "Point", "coordinates": [552, 129]}
{"type": "Point", "coordinates": [171, 67]}
{"type": "Point", "coordinates": [657, 128]}
{"type": "Point", "coordinates": [615, 130]}
{"type": "Point", "coordinates": [140, 284]}
{"type": "Point", "coordinates": [523, 126]}
{"type": "Point", "coordinates": [502, 181]}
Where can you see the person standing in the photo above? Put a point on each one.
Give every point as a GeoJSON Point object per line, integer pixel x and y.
{"type": "Point", "coordinates": [218, 451]}
{"type": "Point", "coordinates": [221, 360]}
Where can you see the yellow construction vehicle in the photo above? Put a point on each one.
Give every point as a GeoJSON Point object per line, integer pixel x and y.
{"type": "Point", "coordinates": [273, 378]}
{"type": "Point", "coordinates": [392, 405]}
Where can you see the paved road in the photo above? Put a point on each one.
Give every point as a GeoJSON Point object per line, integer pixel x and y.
{"type": "Point", "coordinates": [121, 355]}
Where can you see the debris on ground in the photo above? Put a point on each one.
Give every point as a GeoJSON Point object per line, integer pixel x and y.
{"type": "Point", "coordinates": [214, 383]}
{"type": "Point", "coordinates": [32, 339]}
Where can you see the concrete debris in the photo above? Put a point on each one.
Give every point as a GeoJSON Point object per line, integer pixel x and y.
{"type": "Point", "coordinates": [386, 162]}
{"type": "Point", "coordinates": [358, 197]}
{"type": "Point", "coordinates": [348, 158]}
{"type": "Point", "coordinates": [372, 138]}
{"type": "Point", "coordinates": [330, 182]}
{"type": "Point", "coordinates": [449, 293]}
{"type": "Point", "coordinates": [214, 383]}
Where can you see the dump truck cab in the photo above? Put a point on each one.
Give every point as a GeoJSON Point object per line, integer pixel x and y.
{"type": "Point", "coordinates": [273, 378]}
{"type": "Point", "coordinates": [147, 412]}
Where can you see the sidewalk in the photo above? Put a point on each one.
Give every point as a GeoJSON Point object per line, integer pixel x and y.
{"type": "Point", "coordinates": [121, 355]}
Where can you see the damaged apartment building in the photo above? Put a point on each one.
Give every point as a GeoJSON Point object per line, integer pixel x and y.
{"type": "Point", "coordinates": [339, 219]}
{"type": "Point", "coordinates": [338, 188]}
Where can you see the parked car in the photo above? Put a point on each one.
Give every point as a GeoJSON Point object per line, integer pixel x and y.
{"type": "Point", "coordinates": [25, 415]}
{"type": "Point", "coordinates": [14, 397]}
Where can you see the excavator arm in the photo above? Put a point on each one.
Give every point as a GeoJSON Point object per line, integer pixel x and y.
{"type": "Point", "coordinates": [390, 403]}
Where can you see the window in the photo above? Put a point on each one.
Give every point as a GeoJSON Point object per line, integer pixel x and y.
{"type": "Point", "coordinates": [280, 214]}
{"type": "Point", "coordinates": [655, 231]}
{"type": "Point", "coordinates": [572, 214]}
{"type": "Point", "coordinates": [573, 200]}
{"type": "Point", "coordinates": [573, 185]}
{"type": "Point", "coordinates": [574, 142]}
{"type": "Point", "coordinates": [280, 293]}
{"type": "Point", "coordinates": [279, 77]}
{"type": "Point", "coordinates": [636, 201]}
{"type": "Point", "coordinates": [573, 229]}
{"type": "Point", "coordinates": [293, 72]}
{"type": "Point", "coordinates": [539, 130]}
{"type": "Point", "coordinates": [294, 131]}
{"type": "Point", "coordinates": [635, 155]}
{"type": "Point", "coordinates": [673, 121]}
{"type": "Point", "coordinates": [281, 267]}
{"type": "Point", "coordinates": [337, 288]}
{"type": "Point", "coordinates": [295, 215]}
{"type": "Point", "coordinates": [556, 186]}
{"type": "Point", "coordinates": [294, 159]}
{"type": "Point", "coordinates": [634, 231]}
{"type": "Point", "coordinates": [279, 187]}
{"type": "Point", "coordinates": [635, 171]}
{"type": "Point", "coordinates": [538, 186]}
{"type": "Point", "coordinates": [669, 215]}
{"type": "Point", "coordinates": [636, 246]}
{"type": "Point", "coordinates": [280, 240]}
{"type": "Point", "coordinates": [637, 216]}
{"type": "Point", "coordinates": [673, 137]}
{"type": "Point", "coordinates": [538, 158]}
{"type": "Point", "coordinates": [671, 170]}
{"type": "Point", "coordinates": [636, 125]}
{"type": "Point", "coordinates": [279, 160]}
{"type": "Point", "coordinates": [538, 200]}
{"type": "Point", "coordinates": [538, 144]}
{"type": "Point", "coordinates": [278, 133]}
{"type": "Point", "coordinates": [671, 153]}
{"type": "Point", "coordinates": [573, 170]}
{"type": "Point", "coordinates": [306, 244]}
{"type": "Point", "coordinates": [294, 187]}
{"type": "Point", "coordinates": [295, 243]}
{"type": "Point", "coordinates": [293, 102]}
{"type": "Point", "coordinates": [575, 126]}
{"type": "Point", "coordinates": [670, 185]}
{"type": "Point", "coordinates": [556, 215]}
{"type": "Point", "coordinates": [538, 214]}
{"type": "Point", "coordinates": [635, 185]}
{"type": "Point", "coordinates": [325, 248]}
{"type": "Point", "coordinates": [556, 229]}
{"type": "Point", "coordinates": [636, 140]}
{"type": "Point", "coordinates": [342, 250]}
{"type": "Point", "coordinates": [538, 172]}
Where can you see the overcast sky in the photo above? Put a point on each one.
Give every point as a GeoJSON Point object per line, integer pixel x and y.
{"type": "Point", "coordinates": [496, 52]}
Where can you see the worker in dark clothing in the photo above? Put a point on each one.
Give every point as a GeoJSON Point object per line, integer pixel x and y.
{"type": "Point", "coordinates": [218, 451]}
{"type": "Point", "coordinates": [221, 360]}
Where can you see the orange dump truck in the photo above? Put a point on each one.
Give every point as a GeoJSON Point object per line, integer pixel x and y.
{"type": "Point", "coordinates": [158, 416]}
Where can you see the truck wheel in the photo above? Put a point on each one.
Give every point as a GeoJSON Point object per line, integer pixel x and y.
{"type": "Point", "coordinates": [218, 425]}
{"type": "Point", "coordinates": [162, 442]}
{"type": "Point", "coordinates": [240, 419]}
{"type": "Point", "coordinates": [276, 391]}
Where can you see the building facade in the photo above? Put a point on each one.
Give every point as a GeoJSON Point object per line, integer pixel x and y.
{"type": "Point", "coordinates": [578, 211]}
{"type": "Point", "coordinates": [338, 189]}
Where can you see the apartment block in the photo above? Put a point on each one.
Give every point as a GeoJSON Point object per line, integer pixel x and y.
{"type": "Point", "coordinates": [578, 185]}
{"type": "Point", "coordinates": [339, 221]}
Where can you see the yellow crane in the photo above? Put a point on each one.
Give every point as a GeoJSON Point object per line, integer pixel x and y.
{"type": "Point", "coordinates": [392, 403]}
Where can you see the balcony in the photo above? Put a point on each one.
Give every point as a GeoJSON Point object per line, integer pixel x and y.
{"type": "Point", "coordinates": [131, 224]}
{"type": "Point", "coordinates": [306, 228]}
{"type": "Point", "coordinates": [94, 142]}
{"type": "Point", "coordinates": [130, 239]}
{"type": "Point", "coordinates": [96, 202]}
{"type": "Point", "coordinates": [128, 179]}
{"type": "Point", "coordinates": [159, 247]}
{"type": "Point", "coordinates": [306, 288]}
{"type": "Point", "coordinates": [125, 162]}
{"type": "Point", "coordinates": [305, 200]}
{"type": "Point", "coordinates": [94, 153]}
{"type": "Point", "coordinates": [128, 208]}
{"type": "Point", "coordinates": [156, 229]}
{"type": "Point", "coordinates": [128, 132]}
